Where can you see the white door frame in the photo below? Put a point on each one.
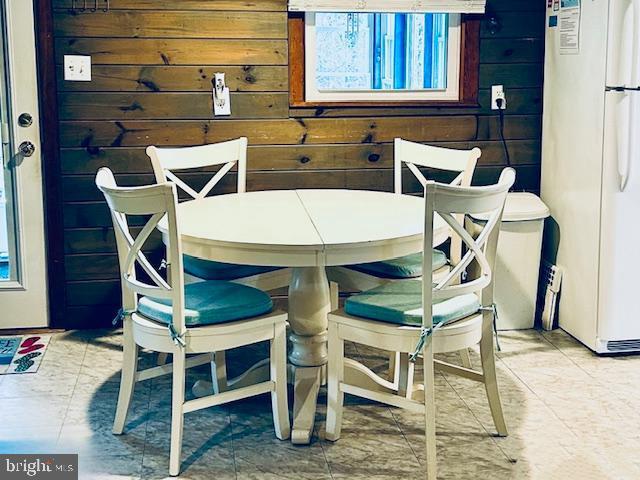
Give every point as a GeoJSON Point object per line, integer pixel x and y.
{"type": "Point", "coordinates": [23, 301]}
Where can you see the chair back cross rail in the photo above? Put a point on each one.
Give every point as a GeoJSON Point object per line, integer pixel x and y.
{"type": "Point", "coordinates": [416, 155]}
{"type": "Point", "coordinates": [166, 161]}
{"type": "Point", "coordinates": [448, 201]}
{"type": "Point", "coordinates": [157, 201]}
{"type": "Point", "coordinates": [476, 250]}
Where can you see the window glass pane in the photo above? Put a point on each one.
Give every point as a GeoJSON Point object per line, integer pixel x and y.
{"type": "Point", "coordinates": [379, 51]}
{"type": "Point", "coordinates": [8, 212]}
{"type": "Point", "coordinates": [5, 222]}
{"type": "Point", "coordinates": [344, 51]}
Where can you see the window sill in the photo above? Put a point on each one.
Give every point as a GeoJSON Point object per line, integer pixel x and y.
{"type": "Point", "coordinates": [388, 103]}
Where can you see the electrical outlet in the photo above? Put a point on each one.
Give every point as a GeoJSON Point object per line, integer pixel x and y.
{"type": "Point", "coordinates": [497, 93]}
{"type": "Point", "coordinates": [77, 68]}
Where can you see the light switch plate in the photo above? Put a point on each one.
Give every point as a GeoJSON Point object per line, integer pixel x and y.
{"type": "Point", "coordinates": [77, 68]}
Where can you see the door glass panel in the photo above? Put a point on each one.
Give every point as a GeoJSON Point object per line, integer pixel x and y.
{"type": "Point", "coordinates": [8, 227]}
{"type": "Point", "coordinates": [8, 250]}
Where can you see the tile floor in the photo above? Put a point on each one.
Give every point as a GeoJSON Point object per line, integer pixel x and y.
{"type": "Point", "coordinates": [572, 415]}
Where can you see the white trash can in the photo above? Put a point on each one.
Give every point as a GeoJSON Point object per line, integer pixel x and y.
{"type": "Point", "coordinates": [518, 260]}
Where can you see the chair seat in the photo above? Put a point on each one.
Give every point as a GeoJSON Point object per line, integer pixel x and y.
{"type": "Point", "coordinates": [210, 270]}
{"type": "Point", "coordinates": [210, 303]}
{"type": "Point", "coordinates": [409, 266]}
{"type": "Point", "coordinates": [401, 303]}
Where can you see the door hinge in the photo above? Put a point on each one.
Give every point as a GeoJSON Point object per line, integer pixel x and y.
{"type": "Point", "coordinates": [5, 138]}
{"type": "Point", "coordinates": [5, 133]}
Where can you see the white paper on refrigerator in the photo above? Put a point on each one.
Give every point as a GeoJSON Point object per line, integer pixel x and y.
{"type": "Point", "coordinates": [570, 27]}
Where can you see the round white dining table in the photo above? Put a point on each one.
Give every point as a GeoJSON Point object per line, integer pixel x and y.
{"type": "Point", "coordinates": [307, 230]}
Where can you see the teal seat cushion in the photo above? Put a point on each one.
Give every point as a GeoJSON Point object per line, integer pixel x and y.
{"type": "Point", "coordinates": [409, 266]}
{"type": "Point", "coordinates": [209, 270]}
{"type": "Point", "coordinates": [401, 303]}
{"type": "Point", "coordinates": [209, 303]}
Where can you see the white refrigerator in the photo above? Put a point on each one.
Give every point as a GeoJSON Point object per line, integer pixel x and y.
{"type": "Point", "coordinates": [591, 168]}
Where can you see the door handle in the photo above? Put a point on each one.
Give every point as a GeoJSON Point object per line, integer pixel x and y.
{"type": "Point", "coordinates": [25, 149]}
{"type": "Point", "coordinates": [623, 120]}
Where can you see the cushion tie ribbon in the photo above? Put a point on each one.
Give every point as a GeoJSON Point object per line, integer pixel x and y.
{"type": "Point", "coordinates": [177, 339]}
{"type": "Point", "coordinates": [493, 308]}
{"type": "Point", "coordinates": [120, 315]}
{"type": "Point", "coordinates": [427, 333]}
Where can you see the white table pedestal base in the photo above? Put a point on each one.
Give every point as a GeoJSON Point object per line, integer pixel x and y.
{"type": "Point", "coordinates": [309, 304]}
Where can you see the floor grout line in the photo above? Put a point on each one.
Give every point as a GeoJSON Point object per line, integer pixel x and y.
{"type": "Point", "coordinates": [534, 392]}
{"type": "Point", "coordinates": [508, 457]}
{"type": "Point", "coordinates": [324, 453]}
{"type": "Point", "coordinates": [233, 447]}
{"type": "Point", "coordinates": [146, 427]}
{"type": "Point", "coordinates": [75, 385]}
{"type": "Point", "coordinates": [596, 380]}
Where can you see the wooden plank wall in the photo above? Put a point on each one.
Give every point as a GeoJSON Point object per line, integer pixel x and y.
{"type": "Point", "coordinates": [152, 67]}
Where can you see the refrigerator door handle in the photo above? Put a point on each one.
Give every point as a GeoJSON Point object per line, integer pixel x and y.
{"type": "Point", "coordinates": [635, 60]}
{"type": "Point", "coordinates": [623, 137]}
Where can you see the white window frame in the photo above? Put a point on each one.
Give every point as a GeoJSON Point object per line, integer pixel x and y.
{"type": "Point", "coordinates": [451, 93]}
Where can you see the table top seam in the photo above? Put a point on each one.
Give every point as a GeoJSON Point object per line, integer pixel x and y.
{"type": "Point", "coordinates": [315, 227]}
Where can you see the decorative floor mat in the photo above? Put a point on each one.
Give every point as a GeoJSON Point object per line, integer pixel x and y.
{"type": "Point", "coordinates": [22, 354]}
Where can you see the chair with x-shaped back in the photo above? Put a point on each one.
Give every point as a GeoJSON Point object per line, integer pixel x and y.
{"type": "Point", "coordinates": [165, 315]}
{"type": "Point", "coordinates": [167, 163]}
{"type": "Point", "coordinates": [426, 316]}
{"type": "Point", "coordinates": [462, 164]}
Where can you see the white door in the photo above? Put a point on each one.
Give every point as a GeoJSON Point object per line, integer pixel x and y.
{"type": "Point", "coordinates": [23, 281]}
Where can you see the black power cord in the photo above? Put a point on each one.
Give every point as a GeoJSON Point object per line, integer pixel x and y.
{"type": "Point", "coordinates": [499, 102]}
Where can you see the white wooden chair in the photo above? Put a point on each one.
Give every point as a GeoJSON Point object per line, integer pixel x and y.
{"type": "Point", "coordinates": [167, 161]}
{"type": "Point", "coordinates": [370, 275]}
{"type": "Point", "coordinates": [167, 316]}
{"type": "Point", "coordinates": [366, 276]}
{"type": "Point", "coordinates": [419, 317]}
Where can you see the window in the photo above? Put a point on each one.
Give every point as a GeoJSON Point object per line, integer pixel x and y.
{"type": "Point", "coordinates": [383, 58]}
{"type": "Point", "coordinates": [390, 56]}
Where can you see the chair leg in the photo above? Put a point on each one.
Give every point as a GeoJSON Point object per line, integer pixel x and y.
{"type": "Point", "coordinates": [335, 397]}
{"type": "Point", "coordinates": [162, 358]}
{"type": "Point", "coordinates": [219, 371]}
{"type": "Point", "coordinates": [406, 371]}
{"type": "Point", "coordinates": [465, 358]}
{"type": "Point", "coordinates": [487, 356]}
{"type": "Point", "coordinates": [430, 412]}
{"type": "Point", "coordinates": [177, 414]}
{"type": "Point", "coordinates": [279, 402]}
{"type": "Point", "coordinates": [394, 368]}
{"type": "Point", "coordinates": [127, 377]}
{"type": "Point", "coordinates": [334, 291]}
